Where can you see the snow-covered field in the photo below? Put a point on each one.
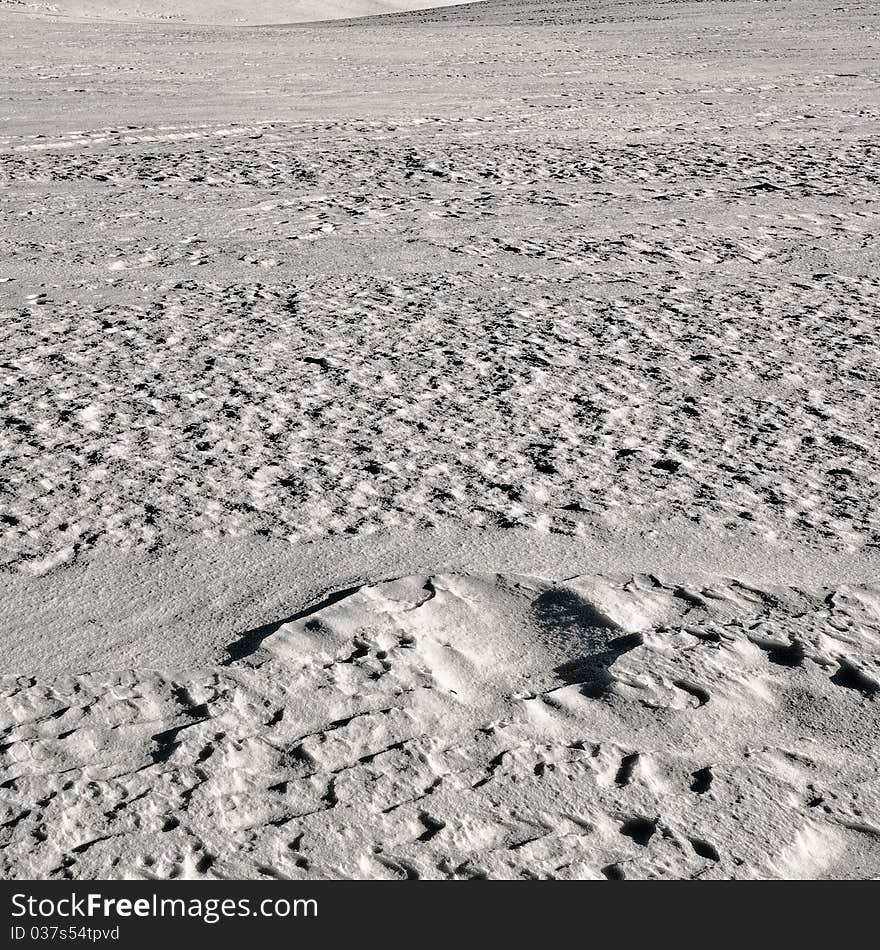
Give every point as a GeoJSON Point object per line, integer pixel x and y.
{"type": "Point", "coordinates": [441, 445]}
{"type": "Point", "coordinates": [215, 12]}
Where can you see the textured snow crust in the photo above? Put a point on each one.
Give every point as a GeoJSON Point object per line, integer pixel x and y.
{"type": "Point", "coordinates": [442, 445]}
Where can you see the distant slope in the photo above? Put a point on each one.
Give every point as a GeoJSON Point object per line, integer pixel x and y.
{"type": "Point", "coordinates": [222, 11]}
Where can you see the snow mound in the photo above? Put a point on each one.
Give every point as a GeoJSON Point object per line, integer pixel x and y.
{"type": "Point", "coordinates": [471, 726]}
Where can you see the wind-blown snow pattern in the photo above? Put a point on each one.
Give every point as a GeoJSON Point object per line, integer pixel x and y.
{"type": "Point", "coordinates": [453, 726]}
{"type": "Point", "coordinates": [512, 371]}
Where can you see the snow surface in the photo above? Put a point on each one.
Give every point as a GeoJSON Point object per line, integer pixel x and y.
{"type": "Point", "coordinates": [228, 12]}
{"type": "Point", "coordinates": [472, 726]}
{"type": "Point", "coordinates": [441, 445]}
